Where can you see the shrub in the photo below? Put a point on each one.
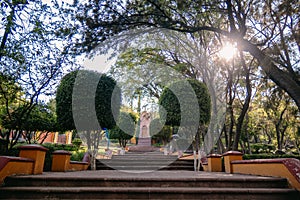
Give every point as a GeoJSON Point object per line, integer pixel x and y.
{"type": "Point", "coordinates": [262, 148]}
{"type": "Point", "coordinates": [77, 142]}
{"type": "Point", "coordinates": [268, 156]}
{"type": "Point", "coordinates": [77, 156]}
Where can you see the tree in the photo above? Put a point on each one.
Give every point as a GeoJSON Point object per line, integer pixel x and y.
{"type": "Point", "coordinates": [10, 99]}
{"type": "Point", "coordinates": [189, 109]}
{"type": "Point", "coordinates": [267, 30]}
{"type": "Point", "coordinates": [142, 73]}
{"type": "Point", "coordinates": [272, 117]}
{"type": "Point", "coordinates": [280, 112]}
{"type": "Point", "coordinates": [124, 130]}
{"type": "Point", "coordinates": [92, 101]}
{"type": "Point", "coordinates": [33, 53]}
{"type": "Point", "coordinates": [41, 120]}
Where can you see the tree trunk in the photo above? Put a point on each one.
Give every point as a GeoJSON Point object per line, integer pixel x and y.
{"type": "Point", "coordinates": [245, 106]}
{"type": "Point", "coordinates": [230, 109]}
{"type": "Point", "coordinates": [281, 78]}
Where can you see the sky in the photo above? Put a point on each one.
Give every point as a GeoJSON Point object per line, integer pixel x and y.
{"type": "Point", "coordinates": [99, 63]}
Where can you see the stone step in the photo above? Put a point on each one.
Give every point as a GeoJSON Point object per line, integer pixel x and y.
{"type": "Point", "coordinates": [144, 161]}
{"type": "Point", "coordinates": [145, 153]}
{"type": "Point", "coordinates": [141, 164]}
{"type": "Point", "coordinates": [145, 193]}
{"type": "Point", "coordinates": [145, 168]}
{"type": "Point", "coordinates": [152, 185]}
{"type": "Point", "coordinates": [153, 163]}
{"type": "Point", "coordinates": [142, 156]}
{"type": "Point", "coordinates": [155, 179]}
{"type": "Point", "coordinates": [147, 161]}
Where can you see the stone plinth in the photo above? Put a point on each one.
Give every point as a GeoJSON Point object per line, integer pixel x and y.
{"type": "Point", "coordinates": [144, 141]}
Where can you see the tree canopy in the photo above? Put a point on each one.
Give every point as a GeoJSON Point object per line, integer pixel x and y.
{"type": "Point", "coordinates": [33, 55]}
{"type": "Point", "coordinates": [267, 30]}
{"type": "Point", "coordinates": [64, 102]}
{"type": "Point", "coordinates": [93, 109]}
{"type": "Point", "coordinates": [172, 106]}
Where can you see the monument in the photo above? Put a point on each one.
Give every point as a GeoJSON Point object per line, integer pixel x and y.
{"type": "Point", "coordinates": [144, 138]}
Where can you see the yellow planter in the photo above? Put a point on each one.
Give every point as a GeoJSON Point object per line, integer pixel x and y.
{"type": "Point", "coordinates": [36, 153]}
{"type": "Point", "coordinates": [214, 163]}
{"type": "Point", "coordinates": [230, 156]}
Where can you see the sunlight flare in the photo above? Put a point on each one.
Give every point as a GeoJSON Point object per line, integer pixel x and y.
{"type": "Point", "coordinates": [228, 51]}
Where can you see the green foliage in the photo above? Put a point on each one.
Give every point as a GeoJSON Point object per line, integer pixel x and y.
{"type": "Point", "coordinates": [77, 156]}
{"type": "Point", "coordinates": [33, 56]}
{"type": "Point", "coordinates": [41, 119]}
{"type": "Point", "coordinates": [107, 101]}
{"type": "Point", "coordinates": [268, 156]}
{"type": "Point", "coordinates": [169, 101]}
{"type": "Point", "coordinates": [159, 132]}
{"type": "Point", "coordinates": [143, 71]}
{"type": "Point", "coordinates": [262, 148]}
{"type": "Point", "coordinates": [53, 147]}
{"type": "Point", "coordinates": [10, 93]}
{"type": "Point", "coordinates": [64, 102]}
{"type": "Point", "coordinates": [124, 130]}
{"type": "Point", "coordinates": [155, 127]}
{"type": "Point", "coordinates": [77, 142]}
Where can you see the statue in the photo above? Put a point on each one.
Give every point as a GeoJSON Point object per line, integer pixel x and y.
{"type": "Point", "coordinates": [145, 121]}
{"type": "Point", "coordinates": [144, 138]}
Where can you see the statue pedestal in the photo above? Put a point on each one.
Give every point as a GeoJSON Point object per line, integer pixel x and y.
{"type": "Point", "coordinates": [144, 145]}
{"type": "Point", "coordinates": [144, 142]}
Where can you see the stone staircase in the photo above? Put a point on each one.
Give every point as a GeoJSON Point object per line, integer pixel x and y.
{"type": "Point", "coordinates": [144, 161]}
{"type": "Point", "coordinates": [113, 184]}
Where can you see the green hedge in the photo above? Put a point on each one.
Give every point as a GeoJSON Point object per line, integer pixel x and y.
{"type": "Point", "coordinates": [268, 156]}
{"type": "Point", "coordinates": [54, 147]}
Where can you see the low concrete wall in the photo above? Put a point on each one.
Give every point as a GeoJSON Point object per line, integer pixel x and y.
{"type": "Point", "coordinates": [78, 166]}
{"type": "Point", "coordinates": [30, 161]}
{"type": "Point", "coordinates": [288, 168]}
{"type": "Point", "coordinates": [61, 162]}
{"type": "Point", "coordinates": [14, 165]}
